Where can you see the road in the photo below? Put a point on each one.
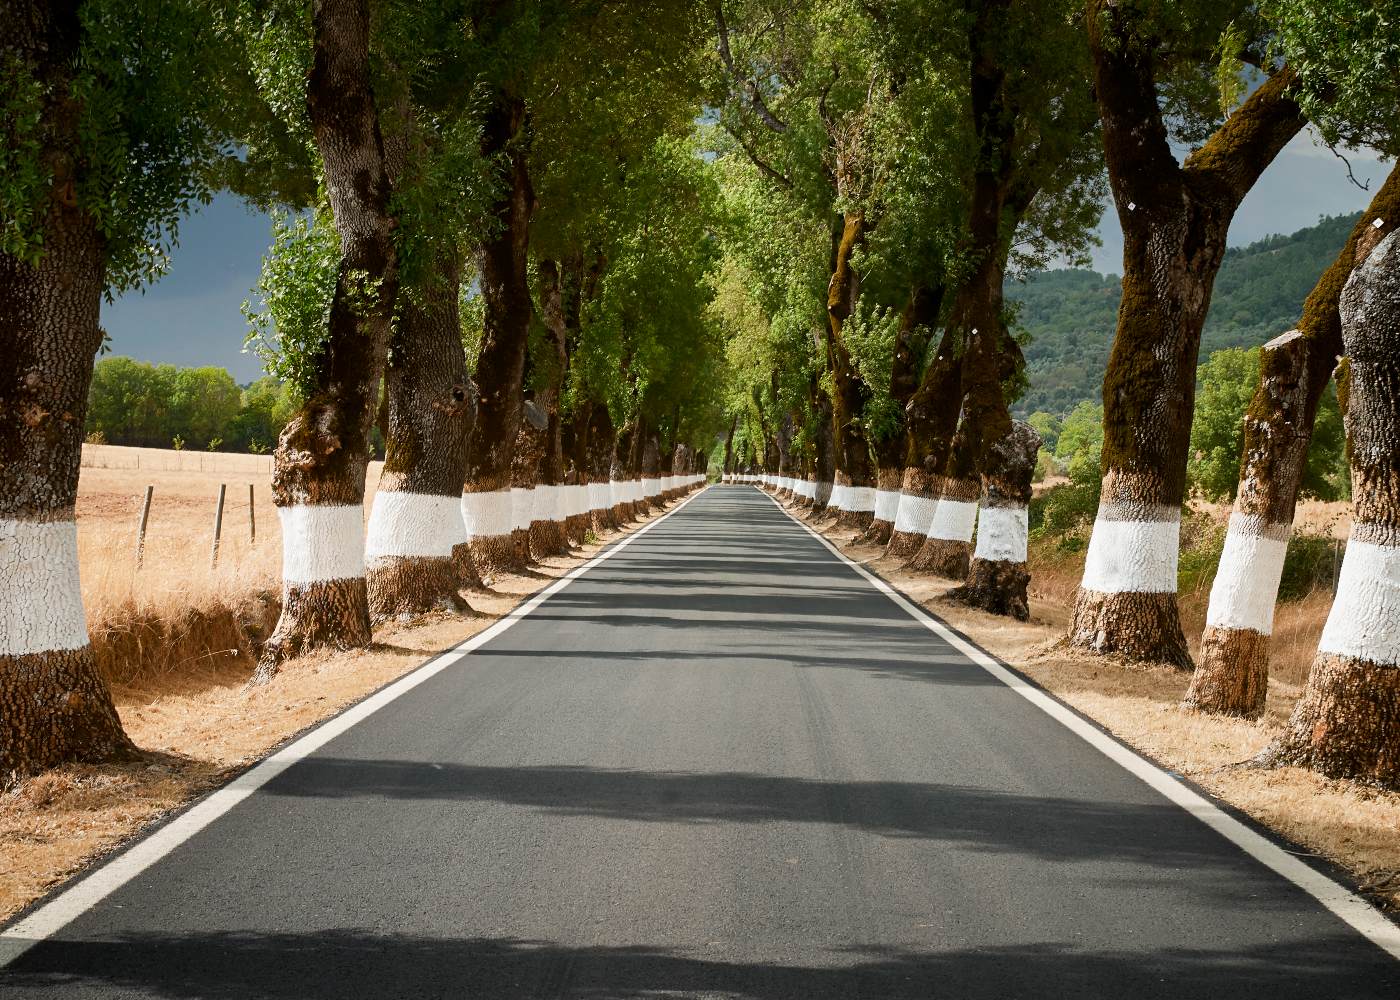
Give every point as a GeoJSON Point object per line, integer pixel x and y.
{"type": "Point", "coordinates": [718, 764]}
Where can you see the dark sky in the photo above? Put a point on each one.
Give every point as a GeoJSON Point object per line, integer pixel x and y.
{"type": "Point", "coordinates": [191, 317]}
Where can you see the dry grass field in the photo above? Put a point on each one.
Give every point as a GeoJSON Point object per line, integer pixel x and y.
{"type": "Point", "coordinates": [177, 641]}
{"type": "Point", "coordinates": [1355, 826]}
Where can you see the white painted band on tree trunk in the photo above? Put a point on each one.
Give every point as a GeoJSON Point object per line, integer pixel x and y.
{"type": "Point", "coordinates": [487, 515]}
{"type": "Point", "coordinates": [412, 525]}
{"type": "Point", "coordinates": [886, 505]}
{"type": "Point", "coordinates": [859, 499]}
{"type": "Point", "coordinates": [1246, 582]}
{"type": "Point", "coordinates": [41, 600]}
{"type": "Point", "coordinates": [822, 494]}
{"type": "Point", "coordinates": [915, 514]}
{"type": "Point", "coordinates": [953, 520]}
{"type": "Point", "coordinates": [837, 498]}
{"type": "Point", "coordinates": [1132, 556]}
{"type": "Point", "coordinates": [1365, 619]}
{"type": "Point", "coordinates": [1001, 534]}
{"type": "Point", "coordinates": [321, 542]}
{"type": "Point", "coordinates": [597, 496]}
{"type": "Point", "coordinates": [522, 506]}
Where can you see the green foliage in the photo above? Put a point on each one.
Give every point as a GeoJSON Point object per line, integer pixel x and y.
{"type": "Point", "coordinates": [1048, 426]}
{"type": "Point", "coordinates": [134, 403]}
{"type": "Point", "coordinates": [1070, 315]}
{"type": "Point", "coordinates": [23, 175]}
{"type": "Point", "coordinates": [1225, 385]}
{"type": "Point", "coordinates": [296, 286]}
{"type": "Point", "coordinates": [1347, 57]}
{"type": "Point", "coordinates": [1312, 563]}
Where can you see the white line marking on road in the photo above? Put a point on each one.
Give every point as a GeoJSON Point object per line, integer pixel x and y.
{"type": "Point", "coordinates": [1350, 908]}
{"type": "Point", "coordinates": [101, 882]}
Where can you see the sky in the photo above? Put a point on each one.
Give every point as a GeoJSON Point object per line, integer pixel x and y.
{"type": "Point", "coordinates": [191, 316]}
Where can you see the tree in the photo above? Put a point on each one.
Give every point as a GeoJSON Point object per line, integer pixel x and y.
{"type": "Point", "coordinates": [1175, 218]}
{"type": "Point", "coordinates": [1344, 723]}
{"type": "Point", "coordinates": [106, 143]}
{"type": "Point", "coordinates": [318, 476]}
{"type": "Point", "coordinates": [1344, 59]}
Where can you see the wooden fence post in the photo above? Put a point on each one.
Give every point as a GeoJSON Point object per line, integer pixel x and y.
{"type": "Point", "coordinates": [141, 530]}
{"type": "Point", "coordinates": [218, 524]}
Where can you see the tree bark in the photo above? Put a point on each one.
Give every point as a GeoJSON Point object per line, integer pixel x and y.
{"type": "Point", "coordinates": [502, 266]}
{"type": "Point", "coordinates": [524, 479]}
{"type": "Point", "coordinates": [547, 530]}
{"type": "Point", "coordinates": [602, 454]}
{"type": "Point", "coordinates": [1294, 370]}
{"type": "Point", "coordinates": [1175, 219]}
{"type": "Point", "coordinates": [823, 456]}
{"type": "Point", "coordinates": [997, 577]}
{"type": "Point", "coordinates": [55, 707]}
{"type": "Point", "coordinates": [1347, 723]}
{"type": "Point", "coordinates": [318, 477]}
{"type": "Point", "coordinates": [416, 522]}
{"type": "Point", "coordinates": [853, 495]}
{"type": "Point", "coordinates": [930, 420]}
{"type": "Point", "coordinates": [575, 445]}
{"type": "Point", "coordinates": [916, 322]}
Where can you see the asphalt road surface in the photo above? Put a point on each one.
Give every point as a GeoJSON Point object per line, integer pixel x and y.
{"type": "Point", "coordinates": [719, 764]}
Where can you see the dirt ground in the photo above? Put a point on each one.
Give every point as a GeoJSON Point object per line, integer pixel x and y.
{"type": "Point", "coordinates": [1354, 825]}
{"type": "Point", "coordinates": [177, 642]}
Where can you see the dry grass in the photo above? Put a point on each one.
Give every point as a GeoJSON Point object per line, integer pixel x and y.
{"type": "Point", "coordinates": [177, 641]}
{"type": "Point", "coordinates": [1356, 826]}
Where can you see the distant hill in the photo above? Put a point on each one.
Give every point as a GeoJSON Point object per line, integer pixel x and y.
{"type": "Point", "coordinates": [1070, 314]}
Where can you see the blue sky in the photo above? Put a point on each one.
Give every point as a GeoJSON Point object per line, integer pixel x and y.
{"type": "Point", "coordinates": [191, 317]}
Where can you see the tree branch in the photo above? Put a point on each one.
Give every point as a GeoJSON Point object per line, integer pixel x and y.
{"type": "Point", "coordinates": [756, 101]}
{"type": "Point", "coordinates": [768, 171]}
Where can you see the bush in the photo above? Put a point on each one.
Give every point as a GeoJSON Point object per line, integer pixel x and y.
{"type": "Point", "coordinates": [1311, 564]}
{"type": "Point", "coordinates": [1064, 509]}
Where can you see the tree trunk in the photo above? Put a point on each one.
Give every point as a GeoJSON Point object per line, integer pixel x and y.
{"type": "Point", "coordinates": [502, 265]}
{"type": "Point", "coordinates": [649, 448]}
{"type": "Point", "coordinates": [547, 531]}
{"type": "Point", "coordinates": [602, 455]}
{"type": "Point", "coordinates": [947, 549]}
{"type": "Point", "coordinates": [524, 479]}
{"type": "Point", "coordinates": [853, 492]}
{"type": "Point", "coordinates": [416, 521]}
{"type": "Point", "coordinates": [1294, 370]}
{"type": "Point", "coordinates": [918, 319]}
{"type": "Point", "coordinates": [318, 477]}
{"type": "Point", "coordinates": [930, 420]}
{"type": "Point", "coordinates": [1347, 723]}
{"type": "Point", "coordinates": [997, 577]}
{"type": "Point", "coordinates": [54, 705]}
{"type": "Point", "coordinates": [823, 457]}
{"type": "Point", "coordinates": [1175, 219]}
{"type": "Point", "coordinates": [729, 446]}
{"type": "Point", "coordinates": [627, 505]}
{"type": "Point", "coordinates": [575, 445]}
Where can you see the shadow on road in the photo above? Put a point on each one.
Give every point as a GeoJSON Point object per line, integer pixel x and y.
{"type": "Point", "coordinates": [333, 965]}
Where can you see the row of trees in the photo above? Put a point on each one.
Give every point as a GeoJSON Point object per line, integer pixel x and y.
{"type": "Point", "coordinates": [497, 248]}
{"type": "Point", "coordinates": [160, 406]}
{"type": "Point", "coordinates": [889, 165]}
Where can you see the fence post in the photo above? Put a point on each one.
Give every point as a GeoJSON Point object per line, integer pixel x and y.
{"type": "Point", "coordinates": [218, 524]}
{"type": "Point", "coordinates": [141, 530]}
{"type": "Point", "coordinates": [252, 519]}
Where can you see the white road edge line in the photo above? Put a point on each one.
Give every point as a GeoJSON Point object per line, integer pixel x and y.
{"type": "Point", "coordinates": [102, 881]}
{"type": "Point", "coordinates": [1350, 908]}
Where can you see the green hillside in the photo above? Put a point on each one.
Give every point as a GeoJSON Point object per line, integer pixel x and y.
{"type": "Point", "coordinates": [1070, 314]}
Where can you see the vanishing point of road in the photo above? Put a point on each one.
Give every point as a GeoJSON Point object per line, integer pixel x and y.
{"type": "Point", "coordinates": [719, 763]}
